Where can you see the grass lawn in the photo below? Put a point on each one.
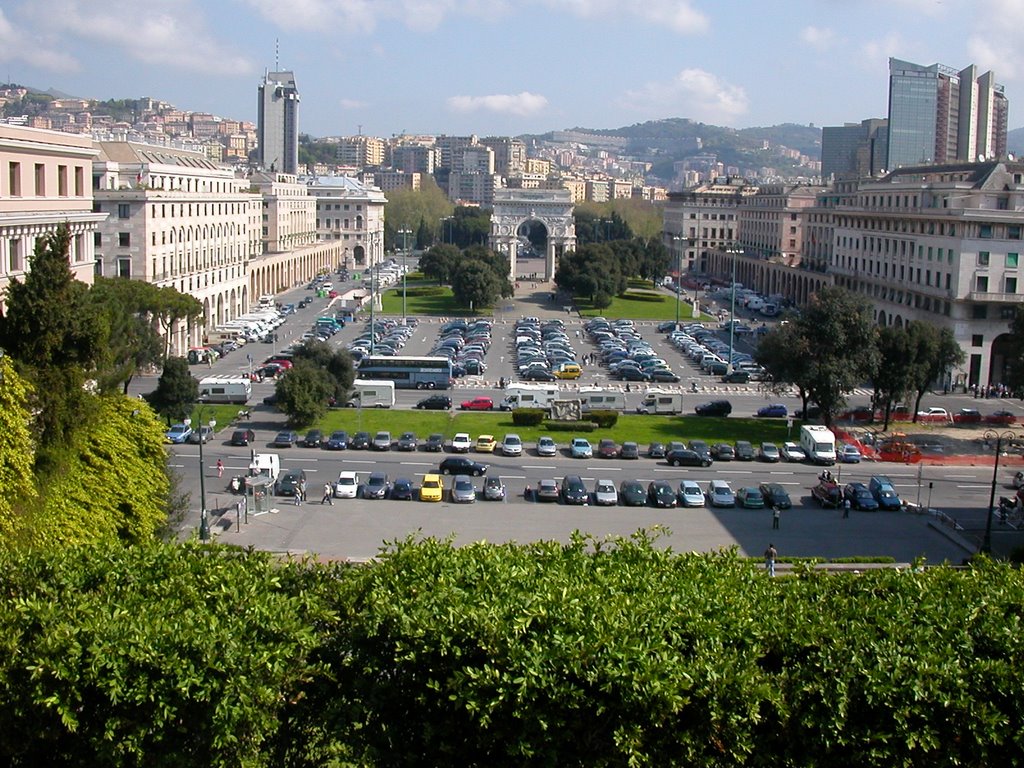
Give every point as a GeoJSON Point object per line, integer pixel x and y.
{"type": "Point", "coordinates": [441, 303]}
{"type": "Point", "coordinates": [639, 305]}
{"type": "Point", "coordinates": [224, 415]}
{"type": "Point", "coordinates": [640, 429]}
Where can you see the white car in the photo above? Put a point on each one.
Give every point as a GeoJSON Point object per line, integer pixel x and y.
{"type": "Point", "coordinates": [793, 452]}
{"type": "Point", "coordinates": [461, 442]}
{"type": "Point", "coordinates": [720, 494]}
{"type": "Point", "coordinates": [346, 486]}
{"type": "Point", "coordinates": [690, 494]}
{"type": "Point", "coordinates": [547, 447]}
{"type": "Point", "coordinates": [511, 445]}
{"type": "Point", "coordinates": [605, 493]}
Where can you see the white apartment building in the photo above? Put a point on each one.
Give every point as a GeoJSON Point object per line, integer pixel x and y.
{"type": "Point", "coordinates": [176, 219]}
{"type": "Point", "coordinates": [288, 219]}
{"type": "Point", "coordinates": [704, 219]}
{"type": "Point", "coordinates": [351, 214]}
{"type": "Point", "coordinates": [771, 222]}
{"type": "Point", "coordinates": [45, 182]}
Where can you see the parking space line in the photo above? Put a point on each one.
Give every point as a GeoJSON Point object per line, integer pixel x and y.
{"type": "Point", "coordinates": [604, 469]}
{"type": "Point", "coordinates": [535, 466]}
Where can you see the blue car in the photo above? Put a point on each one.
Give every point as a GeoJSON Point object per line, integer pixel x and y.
{"type": "Point", "coordinates": [580, 448]}
{"type": "Point", "coordinates": [179, 433]}
{"type": "Point", "coordinates": [773, 411]}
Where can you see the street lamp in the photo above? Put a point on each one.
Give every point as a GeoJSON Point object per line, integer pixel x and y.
{"type": "Point", "coordinates": [999, 437]}
{"type": "Point", "coordinates": [373, 289]}
{"type": "Point", "coordinates": [732, 308]}
{"type": "Point", "coordinates": [405, 250]}
{"type": "Point", "coordinates": [446, 221]}
{"type": "Point", "coordinates": [204, 522]}
{"type": "Point", "coordinates": [679, 274]}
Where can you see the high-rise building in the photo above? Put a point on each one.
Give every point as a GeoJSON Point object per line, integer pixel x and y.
{"type": "Point", "coordinates": [940, 115]}
{"type": "Point", "coordinates": [855, 149]}
{"type": "Point", "coordinates": [278, 123]}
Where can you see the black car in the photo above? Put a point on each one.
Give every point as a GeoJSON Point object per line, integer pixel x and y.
{"type": "Point", "coordinates": [629, 450]}
{"type": "Point", "coordinates": [435, 403]}
{"type": "Point", "coordinates": [376, 486]}
{"type": "Point", "coordinates": [462, 465]}
{"type": "Point", "coordinates": [775, 495]}
{"type": "Point", "coordinates": [744, 451]}
{"type": "Point", "coordinates": [723, 452]}
{"type": "Point", "coordinates": [661, 374]}
{"type": "Point", "coordinates": [574, 491]}
{"type": "Point", "coordinates": [860, 497]}
{"type": "Point", "coordinates": [632, 493]}
{"type": "Point", "coordinates": [656, 451]}
{"type": "Point", "coordinates": [407, 442]}
{"type": "Point", "coordinates": [313, 438]}
{"type": "Point", "coordinates": [402, 490]}
{"type": "Point", "coordinates": [632, 374]}
{"type": "Point", "coordinates": [684, 457]}
{"type": "Point", "coordinates": [435, 443]}
{"type": "Point", "coordinates": [338, 441]}
{"type": "Point", "coordinates": [243, 437]}
{"type": "Point", "coordinates": [661, 494]}
{"type": "Point", "coordinates": [286, 439]}
{"type": "Point", "coordinates": [538, 374]}
{"type": "Point", "coordinates": [361, 441]}
{"type": "Point", "coordinates": [701, 449]}
{"type": "Point", "coordinates": [288, 482]}
{"type": "Point", "coordinates": [714, 408]}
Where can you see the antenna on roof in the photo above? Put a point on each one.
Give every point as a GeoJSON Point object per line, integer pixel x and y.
{"type": "Point", "coordinates": [277, 54]}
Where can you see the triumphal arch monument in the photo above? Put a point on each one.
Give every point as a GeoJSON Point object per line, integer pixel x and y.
{"type": "Point", "coordinates": [517, 213]}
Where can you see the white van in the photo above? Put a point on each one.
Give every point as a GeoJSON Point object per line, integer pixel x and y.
{"type": "Point", "coordinates": [367, 393]}
{"type": "Point", "coordinates": [598, 399]}
{"type": "Point", "coordinates": [661, 401]}
{"type": "Point", "coordinates": [225, 388]}
{"type": "Point", "coordinates": [819, 443]}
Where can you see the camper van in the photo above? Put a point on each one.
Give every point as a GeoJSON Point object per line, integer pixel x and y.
{"type": "Point", "coordinates": [529, 396]}
{"type": "Point", "coordinates": [225, 388]}
{"type": "Point", "coordinates": [660, 401]}
{"type": "Point", "coordinates": [372, 394]}
{"type": "Point", "coordinates": [267, 301]}
{"type": "Point", "coordinates": [598, 399]}
{"type": "Point", "coordinates": [818, 443]}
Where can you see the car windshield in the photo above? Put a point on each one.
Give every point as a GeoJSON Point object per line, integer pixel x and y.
{"type": "Point", "coordinates": [605, 488]}
{"type": "Point", "coordinates": [463, 485]}
{"type": "Point", "coordinates": [431, 484]}
{"type": "Point", "coordinates": [376, 480]}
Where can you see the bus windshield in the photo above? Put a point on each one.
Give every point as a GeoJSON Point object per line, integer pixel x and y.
{"type": "Point", "coordinates": [408, 372]}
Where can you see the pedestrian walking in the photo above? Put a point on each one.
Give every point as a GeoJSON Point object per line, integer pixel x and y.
{"type": "Point", "coordinates": [328, 497]}
{"type": "Point", "coordinates": [220, 468]}
{"type": "Point", "coordinates": [297, 497]}
{"type": "Point", "coordinates": [769, 559]}
{"type": "Point", "coordinates": [776, 514]}
{"type": "Point", "coordinates": [302, 490]}
{"type": "Point", "coordinates": [846, 508]}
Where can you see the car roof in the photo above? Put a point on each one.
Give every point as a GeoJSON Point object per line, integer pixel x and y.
{"type": "Point", "coordinates": [432, 477]}
{"type": "Point", "coordinates": [347, 475]}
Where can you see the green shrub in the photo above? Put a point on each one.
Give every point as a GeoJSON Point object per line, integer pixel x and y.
{"type": "Point", "coordinates": [426, 290]}
{"type": "Point", "coordinates": [570, 425]}
{"type": "Point", "coordinates": [528, 417]}
{"type": "Point", "coordinates": [643, 296]}
{"type": "Point", "coordinates": [604, 419]}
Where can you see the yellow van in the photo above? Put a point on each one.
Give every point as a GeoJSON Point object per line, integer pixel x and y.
{"type": "Point", "coordinates": [568, 371]}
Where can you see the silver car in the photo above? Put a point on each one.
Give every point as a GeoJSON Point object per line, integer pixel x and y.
{"type": "Point", "coordinates": [605, 493]}
{"type": "Point", "coordinates": [494, 489]}
{"type": "Point", "coordinates": [463, 490]}
{"type": "Point", "coordinates": [547, 447]}
{"type": "Point", "coordinates": [382, 441]}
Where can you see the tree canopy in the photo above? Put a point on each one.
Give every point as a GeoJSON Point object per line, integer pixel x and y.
{"type": "Point", "coordinates": [176, 390]}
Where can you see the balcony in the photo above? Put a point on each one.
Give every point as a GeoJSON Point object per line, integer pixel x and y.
{"type": "Point", "coordinates": [995, 298]}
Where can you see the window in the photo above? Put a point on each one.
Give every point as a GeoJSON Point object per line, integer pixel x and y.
{"type": "Point", "coordinates": [1013, 232]}
{"type": "Point", "coordinates": [62, 180]}
{"type": "Point", "coordinates": [977, 340]}
{"type": "Point", "coordinates": [97, 239]}
{"type": "Point", "coordinates": [985, 231]}
{"type": "Point", "coordinates": [1011, 260]}
{"type": "Point", "coordinates": [982, 283]}
{"type": "Point", "coordinates": [14, 179]}
{"type": "Point", "coordinates": [79, 181]}
{"type": "Point", "coordinates": [1011, 285]}
{"type": "Point", "coordinates": [14, 255]}
{"type": "Point", "coordinates": [979, 311]}
{"type": "Point", "coordinates": [124, 267]}
{"type": "Point", "coordinates": [97, 267]}
{"type": "Point", "coordinates": [124, 239]}
{"type": "Point", "coordinates": [123, 210]}
{"type": "Point", "coordinates": [983, 257]}
{"type": "Point", "coordinates": [40, 180]}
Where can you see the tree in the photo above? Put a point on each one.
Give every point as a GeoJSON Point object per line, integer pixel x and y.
{"type": "Point", "coordinates": [475, 285]}
{"type": "Point", "coordinates": [17, 454]}
{"type": "Point", "coordinates": [132, 340]}
{"type": "Point", "coordinates": [893, 377]}
{"type": "Point", "coordinates": [176, 391]}
{"type": "Point", "coordinates": [304, 391]}
{"type": "Point", "coordinates": [497, 263]}
{"type": "Point", "coordinates": [406, 208]}
{"type": "Point", "coordinates": [935, 353]}
{"type": "Point", "coordinates": [439, 263]}
{"type": "Point", "coordinates": [170, 307]}
{"type": "Point", "coordinates": [785, 355]}
{"type": "Point", "coordinates": [594, 271]}
{"type": "Point", "coordinates": [336, 362]}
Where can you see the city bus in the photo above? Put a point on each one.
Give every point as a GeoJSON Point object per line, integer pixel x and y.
{"type": "Point", "coordinates": [408, 372]}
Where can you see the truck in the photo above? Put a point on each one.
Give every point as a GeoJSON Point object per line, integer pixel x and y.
{"type": "Point", "coordinates": [225, 388]}
{"type": "Point", "coordinates": [599, 399]}
{"type": "Point", "coordinates": [661, 401]}
{"type": "Point", "coordinates": [368, 393]}
{"type": "Point", "coordinates": [819, 443]}
{"type": "Point", "coordinates": [529, 396]}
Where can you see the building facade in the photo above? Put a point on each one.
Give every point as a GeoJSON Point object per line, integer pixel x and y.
{"type": "Point", "coordinates": [288, 220]}
{"type": "Point", "coordinates": [351, 215]}
{"type": "Point", "coordinates": [703, 219]}
{"type": "Point", "coordinates": [277, 124]}
{"type": "Point", "coordinates": [45, 181]}
{"type": "Point", "coordinates": [854, 149]}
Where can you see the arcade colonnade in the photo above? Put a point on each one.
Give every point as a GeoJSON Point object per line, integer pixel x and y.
{"type": "Point", "coordinates": [768, 278]}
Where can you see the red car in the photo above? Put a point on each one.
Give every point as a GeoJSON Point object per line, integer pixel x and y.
{"type": "Point", "coordinates": [478, 404]}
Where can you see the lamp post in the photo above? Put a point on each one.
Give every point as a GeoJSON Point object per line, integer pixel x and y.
{"type": "Point", "coordinates": [732, 308]}
{"type": "Point", "coordinates": [999, 437]}
{"type": "Point", "coordinates": [204, 522]}
{"type": "Point", "coordinates": [446, 222]}
{"type": "Point", "coordinates": [373, 290]}
{"type": "Point", "coordinates": [405, 250]}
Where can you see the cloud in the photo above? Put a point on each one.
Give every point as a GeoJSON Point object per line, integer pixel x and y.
{"type": "Point", "coordinates": [692, 93]}
{"type": "Point", "coordinates": [994, 44]}
{"type": "Point", "coordinates": [165, 33]}
{"type": "Point", "coordinates": [819, 38]}
{"type": "Point", "coordinates": [17, 44]}
{"type": "Point", "coordinates": [352, 104]}
{"type": "Point", "coordinates": [518, 104]}
{"type": "Point", "coordinates": [875, 53]}
{"type": "Point", "coordinates": [678, 15]}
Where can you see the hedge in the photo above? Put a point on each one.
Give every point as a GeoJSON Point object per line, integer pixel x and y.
{"type": "Point", "coordinates": [604, 419]}
{"type": "Point", "coordinates": [570, 425]}
{"type": "Point", "coordinates": [528, 417]}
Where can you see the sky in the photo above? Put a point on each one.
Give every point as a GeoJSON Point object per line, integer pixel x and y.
{"type": "Point", "coordinates": [509, 67]}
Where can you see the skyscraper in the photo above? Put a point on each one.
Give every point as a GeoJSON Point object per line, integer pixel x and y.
{"type": "Point", "coordinates": [855, 149]}
{"type": "Point", "coordinates": [277, 127]}
{"type": "Point", "coordinates": [940, 115]}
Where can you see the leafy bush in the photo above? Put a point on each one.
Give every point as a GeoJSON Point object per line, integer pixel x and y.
{"type": "Point", "coordinates": [570, 425]}
{"type": "Point", "coordinates": [426, 290]}
{"type": "Point", "coordinates": [528, 417]}
{"type": "Point", "coordinates": [643, 296]}
{"type": "Point", "coordinates": [604, 419]}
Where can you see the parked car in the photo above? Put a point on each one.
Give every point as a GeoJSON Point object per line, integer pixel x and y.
{"type": "Point", "coordinates": [773, 411]}
{"type": "Point", "coordinates": [478, 404]}
{"type": "Point", "coordinates": [749, 497]}
{"type": "Point", "coordinates": [629, 450]}
{"type": "Point", "coordinates": [580, 448]}
{"type": "Point", "coordinates": [462, 465]}
{"type": "Point", "coordinates": [243, 437]}
{"type": "Point", "coordinates": [793, 452]}
{"type": "Point", "coordinates": [338, 441]}
{"type": "Point", "coordinates": [288, 482]}
{"type": "Point", "coordinates": [382, 441]}
{"type": "Point", "coordinates": [848, 454]}
{"type": "Point", "coordinates": [933, 414]}
{"type": "Point", "coordinates": [574, 491]}
{"type": "Point", "coordinates": [660, 494]}
{"type": "Point", "coordinates": [402, 490]}
{"type": "Point", "coordinates": [722, 452]}
{"type": "Point", "coordinates": [546, 446]}
{"type": "Point", "coordinates": [202, 435]}
{"type": "Point", "coordinates": [656, 451]}
{"type": "Point", "coordinates": [347, 485]}
{"type": "Point", "coordinates": [684, 457]}
{"type": "Point", "coordinates": [607, 448]}
{"type": "Point", "coordinates": [720, 494]}
{"type": "Point", "coordinates": [313, 438]}
{"type": "Point", "coordinates": [632, 493]}
{"type": "Point", "coordinates": [714, 408]}
{"type": "Point", "coordinates": [744, 451]}
{"type": "Point", "coordinates": [736, 377]}
{"type": "Point", "coordinates": [360, 441]}
{"type": "Point", "coordinates": [605, 493]}
{"type": "Point", "coordinates": [463, 491]}
{"type": "Point", "coordinates": [376, 486]}
{"type": "Point", "coordinates": [769, 452]}
{"type": "Point", "coordinates": [494, 489]}
{"type": "Point", "coordinates": [407, 441]}
{"type": "Point", "coordinates": [432, 488]}
{"type": "Point", "coordinates": [485, 444]}
{"type": "Point", "coordinates": [860, 497]}
{"type": "Point", "coordinates": [435, 403]}
{"type": "Point", "coordinates": [775, 495]}
{"type": "Point", "coordinates": [827, 493]}
{"type": "Point", "coordinates": [547, 490]}
{"type": "Point", "coordinates": [461, 442]}
{"type": "Point", "coordinates": [435, 443]}
{"type": "Point", "coordinates": [690, 494]}
{"type": "Point", "coordinates": [179, 433]}
{"type": "Point", "coordinates": [286, 438]}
